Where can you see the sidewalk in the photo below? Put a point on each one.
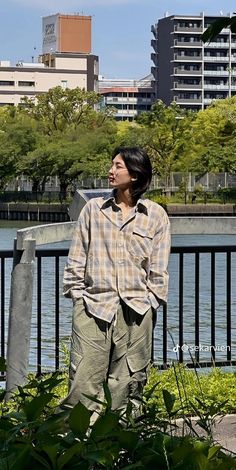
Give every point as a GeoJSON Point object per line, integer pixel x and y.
{"type": "Point", "coordinates": [224, 431]}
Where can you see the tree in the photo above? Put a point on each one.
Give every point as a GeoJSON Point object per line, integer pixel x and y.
{"type": "Point", "coordinates": [214, 138]}
{"type": "Point", "coordinates": [216, 27]}
{"type": "Point", "coordinates": [59, 108]}
{"type": "Point", "coordinates": [166, 132]}
{"type": "Point", "coordinates": [18, 136]}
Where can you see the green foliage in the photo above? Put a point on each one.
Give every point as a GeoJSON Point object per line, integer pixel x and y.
{"type": "Point", "coordinates": [214, 139]}
{"type": "Point", "coordinates": [215, 389]}
{"type": "Point", "coordinates": [166, 136]}
{"type": "Point", "coordinates": [61, 133]}
{"type": "Point", "coordinates": [31, 437]}
{"type": "Point", "coordinates": [59, 108]}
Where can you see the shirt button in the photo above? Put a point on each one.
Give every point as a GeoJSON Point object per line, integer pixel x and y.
{"type": "Point", "coordinates": [120, 244]}
{"type": "Point", "coordinates": [120, 262]}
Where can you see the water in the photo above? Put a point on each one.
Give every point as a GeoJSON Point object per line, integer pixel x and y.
{"type": "Point", "coordinates": [7, 233]}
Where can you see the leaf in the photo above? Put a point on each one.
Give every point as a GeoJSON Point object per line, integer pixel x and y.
{"type": "Point", "coordinates": [21, 458]}
{"type": "Point", "coordinates": [149, 393]}
{"type": "Point", "coordinates": [3, 366]}
{"type": "Point", "coordinates": [105, 424]}
{"type": "Point", "coordinates": [213, 451]}
{"type": "Point", "coordinates": [79, 420]}
{"type": "Point", "coordinates": [55, 424]}
{"type": "Point", "coordinates": [34, 408]}
{"type": "Point", "coordinates": [68, 454]}
{"type": "Point", "coordinates": [96, 400]}
{"type": "Point", "coordinates": [128, 439]}
{"type": "Point", "coordinates": [169, 400]}
{"type": "Point", "coordinates": [215, 29]}
{"type": "Point", "coordinates": [51, 452]}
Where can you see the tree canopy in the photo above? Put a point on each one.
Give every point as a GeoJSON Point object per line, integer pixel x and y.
{"type": "Point", "coordinates": [65, 133]}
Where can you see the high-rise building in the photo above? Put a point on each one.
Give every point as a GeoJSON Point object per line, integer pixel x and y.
{"type": "Point", "coordinates": [66, 60]}
{"type": "Point", "coordinates": [185, 69]}
{"type": "Point", "coordinates": [126, 96]}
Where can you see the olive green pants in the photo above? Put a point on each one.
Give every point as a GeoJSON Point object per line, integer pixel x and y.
{"type": "Point", "coordinates": [118, 353]}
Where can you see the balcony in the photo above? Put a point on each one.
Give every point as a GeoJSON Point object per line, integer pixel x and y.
{"type": "Point", "coordinates": [218, 45]}
{"type": "Point", "coordinates": [211, 58]}
{"type": "Point", "coordinates": [154, 44]}
{"type": "Point", "coordinates": [187, 44]}
{"type": "Point", "coordinates": [188, 29]}
{"type": "Point", "coordinates": [154, 29]}
{"type": "Point", "coordinates": [187, 58]}
{"type": "Point", "coordinates": [217, 73]}
{"type": "Point", "coordinates": [154, 58]}
{"type": "Point", "coordinates": [216, 87]}
{"type": "Point", "coordinates": [177, 99]}
{"type": "Point", "coordinates": [187, 86]}
{"type": "Point", "coordinates": [187, 72]}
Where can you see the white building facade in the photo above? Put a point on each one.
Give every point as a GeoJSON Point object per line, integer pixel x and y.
{"type": "Point", "coordinates": [128, 98]}
{"type": "Point", "coordinates": [185, 69]}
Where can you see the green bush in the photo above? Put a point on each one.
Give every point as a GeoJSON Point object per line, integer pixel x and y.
{"type": "Point", "coordinates": [33, 435]}
{"type": "Point", "coordinates": [216, 389]}
{"type": "Point", "coordinates": [227, 195]}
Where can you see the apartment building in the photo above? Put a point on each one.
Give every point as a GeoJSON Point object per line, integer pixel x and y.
{"type": "Point", "coordinates": [66, 60]}
{"type": "Point", "coordinates": [185, 69]}
{"type": "Point", "coordinates": [127, 97]}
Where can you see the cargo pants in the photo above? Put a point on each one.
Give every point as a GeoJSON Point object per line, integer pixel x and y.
{"type": "Point", "coordinates": [118, 353]}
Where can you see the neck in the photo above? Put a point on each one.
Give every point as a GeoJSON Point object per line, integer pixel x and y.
{"type": "Point", "coordinates": [124, 198]}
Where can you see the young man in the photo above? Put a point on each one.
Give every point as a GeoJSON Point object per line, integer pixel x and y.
{"type": "Point", "coordinates": [117, 277]}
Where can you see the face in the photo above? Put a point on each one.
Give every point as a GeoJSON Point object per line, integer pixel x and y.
{"type": "Point", "coordinates": [119, 176]}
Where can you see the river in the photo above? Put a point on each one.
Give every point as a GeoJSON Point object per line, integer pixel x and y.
{"type": "Point", "coordinates": [8, 231]}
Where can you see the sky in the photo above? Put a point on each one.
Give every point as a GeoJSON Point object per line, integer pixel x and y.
{"type": "Point", "coordinates": [121, 29]}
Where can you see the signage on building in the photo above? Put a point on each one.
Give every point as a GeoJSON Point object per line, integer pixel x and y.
{"type": "Point", "coordinates": [50, 34]}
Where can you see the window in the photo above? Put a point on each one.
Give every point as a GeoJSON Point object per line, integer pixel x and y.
{"type": "Point", "coordinates": [26, 83]}
{"type": "Point", "coordinates": [7, 83]}
{"type": "Point", "coordinates": [64, 84]}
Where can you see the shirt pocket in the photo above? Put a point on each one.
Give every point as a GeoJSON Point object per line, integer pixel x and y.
{"type": "Point", "coordinates": [141, 243]}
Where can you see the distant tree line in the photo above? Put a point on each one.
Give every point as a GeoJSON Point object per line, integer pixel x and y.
{"type": "Point", "coordinates": [65, 133]}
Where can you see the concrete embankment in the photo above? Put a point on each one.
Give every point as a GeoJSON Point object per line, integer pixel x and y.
{"type": "Point", "coordinates": [59, 212]}
{"type": "Point", "coordinates": [33, 211]}
{"type": "Point", "coordinates": [207, 210]}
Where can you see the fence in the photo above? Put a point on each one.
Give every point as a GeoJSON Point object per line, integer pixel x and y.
{"type": "Point", "coordinates": [209, 182]}
{"type": "Point", "coordinates": [187, 330]}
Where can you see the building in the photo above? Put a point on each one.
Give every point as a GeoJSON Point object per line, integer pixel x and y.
{"type": "Point", "coordinates": [67, 33]}
{"type": "Point", "coordinates": [66, 60]}
{"type": "Point", "coordinates": [185, 69]}
{"type": "Point", "coordinates": [127, 97]}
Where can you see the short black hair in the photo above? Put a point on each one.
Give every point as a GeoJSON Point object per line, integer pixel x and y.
{"type": "Point", "coordinates": [139, 166]}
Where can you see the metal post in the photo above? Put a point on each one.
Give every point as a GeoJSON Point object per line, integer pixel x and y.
{"type": "Point", "coordinates": [20, 315]}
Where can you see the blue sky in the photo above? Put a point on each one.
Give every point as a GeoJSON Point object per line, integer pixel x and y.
{"type": "Point", "coordinates": [121, 28]}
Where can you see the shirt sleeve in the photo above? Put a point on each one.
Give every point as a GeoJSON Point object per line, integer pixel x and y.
{"type": "Point", "coordinates": [74, 273]}
{"type": "Point", "coordinates": [158, 276]}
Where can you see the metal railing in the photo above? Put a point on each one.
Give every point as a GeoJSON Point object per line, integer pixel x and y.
{"type": "Point", "coordinates": [169, 335]}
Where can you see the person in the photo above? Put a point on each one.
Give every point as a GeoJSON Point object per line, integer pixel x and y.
{"type": "Point", "coordinates": [116, 275]}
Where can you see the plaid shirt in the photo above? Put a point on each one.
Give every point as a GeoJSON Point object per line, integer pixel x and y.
{"type": "Point", "coordinates": [112, 259]}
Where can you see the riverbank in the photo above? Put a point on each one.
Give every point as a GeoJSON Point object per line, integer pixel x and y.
{"type": "Point", "coordinates": [59, 212]}
{"type": "Point", "coordinates": [208, 210]}
{"type": "Point", "coordinates": [34, 212]}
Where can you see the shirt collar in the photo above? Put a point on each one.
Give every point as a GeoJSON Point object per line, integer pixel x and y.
{"type": "Point", "coordinates": [109, 199]}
